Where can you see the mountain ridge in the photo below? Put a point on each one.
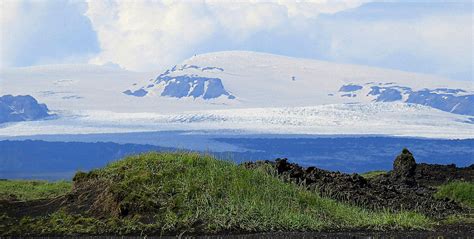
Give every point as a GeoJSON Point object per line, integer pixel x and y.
{"type": "Point", "coordinates": [273, 94]}
{"type": "Point", "coordinates": [256, 78]}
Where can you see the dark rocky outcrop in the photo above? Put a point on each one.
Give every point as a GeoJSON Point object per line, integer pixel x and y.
{"type": "Point", "coordinates": [462, 104]}
{"type": "Point", "coordinates": [404, 168]}
{"type": "Point", "coordinates": [177, 84]}
{"type": "Point", "coordinates": [435, 174]}
{"type": "Point", "coordinates": [193, 86]}
{"type": "Point", "coordinates": [137, 93]}
{"type": "Point", "coordinates": [397, 190]}
{"type": "Point", "coordinates": [350, 88]}
{"type": "Point", "coordinates": [456, 101]}
{"type": "Point", "coordinates": [21, 108]}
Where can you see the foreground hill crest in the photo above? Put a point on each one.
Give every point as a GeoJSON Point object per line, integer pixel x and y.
{"type": "Point", "coordinates": [189, 193]}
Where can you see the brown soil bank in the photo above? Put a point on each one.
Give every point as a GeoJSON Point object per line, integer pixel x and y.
{"type": "Point", "coordinates": [409, 186]}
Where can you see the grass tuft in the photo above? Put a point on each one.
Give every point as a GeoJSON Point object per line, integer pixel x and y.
{"type": "Point", "coordinates": [373, 174]}
{"type": "Point", "coordinates": [32, 189]}
{"type": "Point", "coordinates": [461, 192]}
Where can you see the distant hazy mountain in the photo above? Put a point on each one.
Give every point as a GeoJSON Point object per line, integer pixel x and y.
{"type": "Point", "coordinates": [21, 108]}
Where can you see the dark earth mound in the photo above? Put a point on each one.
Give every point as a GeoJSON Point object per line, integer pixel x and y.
{"type": "Point", "coordinates": [407, 187]}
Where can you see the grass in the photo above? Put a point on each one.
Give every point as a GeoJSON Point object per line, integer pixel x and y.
{"type": "Point", "coordinates": [30, 190]}
{"type": "Point", "coordinates": [186, 192]}
{"type": "Point", "coordinates": [373, 174]}
{"type": "Point", "coordinates": [461, 192]}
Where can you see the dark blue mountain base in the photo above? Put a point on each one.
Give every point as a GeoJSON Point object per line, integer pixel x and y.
{"type": "Point", "coordinates": [56, 160]}
{"type": "Point", "coordinates": [355, 154]}
{"type": "Point", "coordinates": [60, 160]}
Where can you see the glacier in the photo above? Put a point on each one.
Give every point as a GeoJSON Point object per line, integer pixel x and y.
{"type": "Point", "coordinates": [396, 119]}
{"type": "Point", "coordinates": [243, 91]}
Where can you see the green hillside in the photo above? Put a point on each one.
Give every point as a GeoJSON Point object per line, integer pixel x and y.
{"type": "Point", "coordinates": [171, 193]}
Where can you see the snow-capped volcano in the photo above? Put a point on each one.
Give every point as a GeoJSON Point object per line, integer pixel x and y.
{"type": "Point", "coordinates": [265, 80]}
{"type": "Point", "coordinates": [245, 91]}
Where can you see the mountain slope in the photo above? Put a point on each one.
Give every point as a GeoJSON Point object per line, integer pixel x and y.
{"type": "Point", "coordinates": [244, 91]}
{"type": "Point", "coordinates": [262, 80]}
{"type": "Point", "coordinates": [235, 79]}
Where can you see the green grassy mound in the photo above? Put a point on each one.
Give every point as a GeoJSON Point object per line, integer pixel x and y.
{"type": "Point", "coordinates": [461, 192]}
{"type": "Point", "coordinates": [171, 193]}
{"type": "Point", "coordinates": [31, 189]}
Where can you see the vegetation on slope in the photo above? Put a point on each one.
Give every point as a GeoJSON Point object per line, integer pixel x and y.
{"type": "Point", "coordinates": [461, 192]}
{"type": "Point", "coordinates": [170, 193]}
{"type": "Point", "coordinates": [373, 174]}
{"type": "Point", "coordinates": [32, 189]}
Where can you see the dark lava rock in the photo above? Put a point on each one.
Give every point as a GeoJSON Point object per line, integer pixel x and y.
{"type": "Point", "coordinates": [435, 174]}
{"type": "Point", "coordinates": [404, 168]}
{"type": "Point", "coordinates": [21, 108]}
{"type": "Point", "coordinates": [397, 190]}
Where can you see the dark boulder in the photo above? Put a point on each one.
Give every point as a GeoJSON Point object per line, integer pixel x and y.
{"type": "Point", "coordinates": [404, 168]}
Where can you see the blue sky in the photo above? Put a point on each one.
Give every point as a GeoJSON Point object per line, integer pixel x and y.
{"type": "Point", "coordinates": [426, 37]}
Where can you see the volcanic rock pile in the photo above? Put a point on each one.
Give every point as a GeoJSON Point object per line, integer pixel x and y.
{"type": "Point", "coordinates": [406, 187]}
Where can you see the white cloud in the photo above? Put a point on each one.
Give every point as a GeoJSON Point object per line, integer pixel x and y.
{"type": "Point", "coordinates": [9, 13]}
{"type": "Point", "coordinates": [433, 44]}
{"type": "Point", "coordinates": [311, 8]}
{"type": "Point", "coordinates": [35, 32]}
{"type": "Point", "coordinates": [146, 35]}
{"type": "Point", "coordinates": [149, 35]}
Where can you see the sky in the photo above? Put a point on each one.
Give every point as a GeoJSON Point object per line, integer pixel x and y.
{"type": "Point", "coordinates": [433, 37]}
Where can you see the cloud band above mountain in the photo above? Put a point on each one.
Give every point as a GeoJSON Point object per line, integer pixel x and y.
{"type": "Point", "coordinates": [434, 38]}
{"type": "Point", "coordinates": [145, 34]}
